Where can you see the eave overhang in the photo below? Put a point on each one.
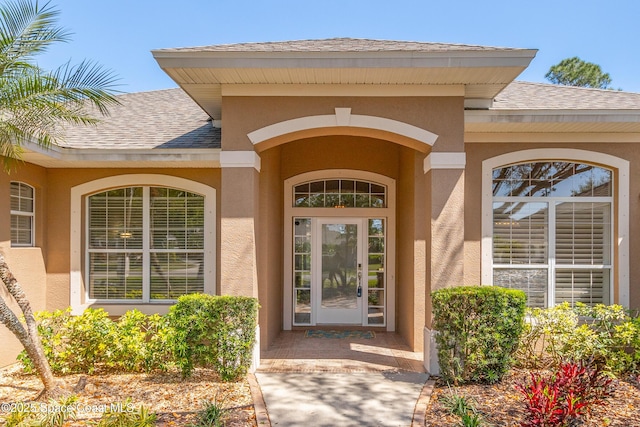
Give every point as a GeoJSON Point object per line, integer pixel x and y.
{"type": "Point", "coordinates": [57, 157]}
{"type": "Point", "coordinates": [203, 74]}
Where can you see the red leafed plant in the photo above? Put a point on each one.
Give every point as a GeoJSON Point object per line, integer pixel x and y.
{"type": "Point", "coordinates": [562, 398]}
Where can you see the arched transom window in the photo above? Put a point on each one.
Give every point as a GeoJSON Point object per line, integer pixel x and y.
{"type": "Point", "coordinates": [340, 193]}
{"type": "Point", "coordinates": [552, 231]}
{"type": "Point", "coordinates": [145, 243]}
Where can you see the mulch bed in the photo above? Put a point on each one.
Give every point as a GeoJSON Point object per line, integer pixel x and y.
{"type": "Point", "coordinates": [502, 405]}
{"type": "Point", "coordinates": [175, 401]}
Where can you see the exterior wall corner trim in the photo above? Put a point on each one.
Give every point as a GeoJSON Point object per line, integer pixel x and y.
{"type": "Point", "coordinates": [240, 159]}
{"type": "Point", "coordinates": [445, 161]}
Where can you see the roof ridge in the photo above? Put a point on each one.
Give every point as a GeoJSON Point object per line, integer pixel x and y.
{"type": "Point", "coordinates": [338, 44]}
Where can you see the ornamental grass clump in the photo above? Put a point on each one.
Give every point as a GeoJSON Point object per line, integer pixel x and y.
{"type": "Point", "coordinates": [478, 329]}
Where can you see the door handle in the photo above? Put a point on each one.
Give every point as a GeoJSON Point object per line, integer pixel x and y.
{"type": "Point", "coordinates": [359, 291]}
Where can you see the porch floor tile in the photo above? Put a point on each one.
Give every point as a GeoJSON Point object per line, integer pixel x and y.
{"type": "Point", "coordinates": [293, 352]}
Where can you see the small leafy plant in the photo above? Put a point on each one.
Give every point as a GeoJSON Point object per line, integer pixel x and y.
{"type": "Point", "coordinates": [563, 398]}
{"type": "Point", "coordinates": [212, 414]}
{"type": "Point", "coordinates": [53, 414]}
{"type": "Point", "coordinates": [463, 407]}
{"type": "Point", "coordinates": [124, 414]}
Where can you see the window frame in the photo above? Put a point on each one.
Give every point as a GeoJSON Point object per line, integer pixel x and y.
{"type": "Point", "coordinates": [551, 265]}
{"type": "Point", "coordinates": [619, 283]}
{"type": "Point", "coordinates": [27, 214]}
{"type": "Point", "coordinates": [145, 251]}
{"type": "Point", "coordinates": [79, 292]}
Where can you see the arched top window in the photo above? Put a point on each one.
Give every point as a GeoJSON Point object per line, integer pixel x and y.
{"type": "Point", "coordinates": [552, 231]}
{"type": "Point", "coordinates": [552, 179]}
{"type": "Point", "coordinates": [340, 193]}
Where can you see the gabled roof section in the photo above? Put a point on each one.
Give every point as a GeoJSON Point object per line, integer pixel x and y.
{"type": "Point", "coordinates": [202, 72]}
{"type": "Point", "coordinates": [539, 107]}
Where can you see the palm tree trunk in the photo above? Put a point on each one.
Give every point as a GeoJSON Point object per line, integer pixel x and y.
{"type": "Point", "coordinates": [28, 336]}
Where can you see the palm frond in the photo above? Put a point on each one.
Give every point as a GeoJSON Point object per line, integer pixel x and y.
{"type": "Point", "coordinates": [87, 81]}
{"type": "Point", "coordinates": [34, 104]}
{"type": "Point", "coordinates": [28, 28]}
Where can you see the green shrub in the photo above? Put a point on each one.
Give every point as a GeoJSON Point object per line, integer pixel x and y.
{"type": "Point", "coordinates": [141, 343]}
{"type": "Point", "coordinates": [81, 344]}
{"type": "Point", "coordinates": [478, 331]}
{"type": "Point", "coordinates": [214, 331]}
{"type": "Point", "coordinates": [73, 344]}
{"type": "Point", "coordinates": [603, 334]}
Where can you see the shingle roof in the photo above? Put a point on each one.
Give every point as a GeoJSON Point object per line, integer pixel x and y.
{"type": "Point", "coordinates": [158, 119]}
{"type": "Point", "coordinates": [338, 45]}
{"type": "Point", "coordinates": [541, 96]}
{"type": "Point", "coordinates": [170, 119]}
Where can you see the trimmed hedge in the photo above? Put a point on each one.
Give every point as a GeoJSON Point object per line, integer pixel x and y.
{"type": "Point", "coordinates": [214, 331]}
{"type": "Point", "coordinates": [478, 331]}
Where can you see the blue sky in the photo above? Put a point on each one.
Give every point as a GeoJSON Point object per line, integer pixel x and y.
{"type": "Point", "coordinates": [120, 34]}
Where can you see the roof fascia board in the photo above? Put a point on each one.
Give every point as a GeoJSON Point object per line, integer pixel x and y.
{"type": "Point", "coordinates": [340, 90]}
{"type": "Point", "coordinates": [552, 116]}
{"type": "Point", "coordinates": [123, 155]}
{"type": "Point", "coordinates": [396, 59]}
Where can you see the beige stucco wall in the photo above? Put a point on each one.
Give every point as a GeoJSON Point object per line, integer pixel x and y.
{"type": "Point", "coordinates": [343, 148]}
{"type": "Point", "coordinates": [44, 270]}
{"type": "Point", "coordinates": [477, 152]}
{"type": "Point", "coordinates": [27, 264]}
{"type": "Point", "coordinates": [440, 115]}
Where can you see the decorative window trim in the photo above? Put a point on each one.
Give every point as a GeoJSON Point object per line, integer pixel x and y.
{"type": "Point", "coordinates": [28, 214]}
{"type": "Point", "coordinates": [387, 212]}
{"type": "Point", "coordinates": [620, 207]}
{"type": "Point", "coordinates": [78, 289]}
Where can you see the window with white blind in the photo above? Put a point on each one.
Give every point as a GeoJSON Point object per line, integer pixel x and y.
{"type": "Point", "coordinates": [145, 244]}
{"type": "Point", "coordinates": [22, 214]}
{"type": "Point", "coordinates": [552, 231]}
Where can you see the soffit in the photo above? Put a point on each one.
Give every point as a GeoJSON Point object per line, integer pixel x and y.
{"type": "Point", "coordinates": [483, 71]}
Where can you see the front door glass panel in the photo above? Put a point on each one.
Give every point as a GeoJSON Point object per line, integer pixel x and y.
{"type": "Point", "coordinates": [339, 266]}
{"type": "Point", "coordinates": [339, 271]}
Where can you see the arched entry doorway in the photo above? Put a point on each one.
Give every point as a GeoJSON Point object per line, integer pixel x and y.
{"type": "Point", "coordinates": [339, 249]}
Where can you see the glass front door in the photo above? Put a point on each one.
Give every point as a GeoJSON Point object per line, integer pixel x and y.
{"type": "Point", "coordinates": [338, 275]}
{"type": "Point", "coordinates": [339, 271]}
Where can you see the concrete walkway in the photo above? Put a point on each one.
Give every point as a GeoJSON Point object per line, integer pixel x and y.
{"type": "Point", "coordinates": [342, 382]}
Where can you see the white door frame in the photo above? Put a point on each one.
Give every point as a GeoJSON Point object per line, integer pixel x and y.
{"type": "Point", "coordinates": [389, 213]}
